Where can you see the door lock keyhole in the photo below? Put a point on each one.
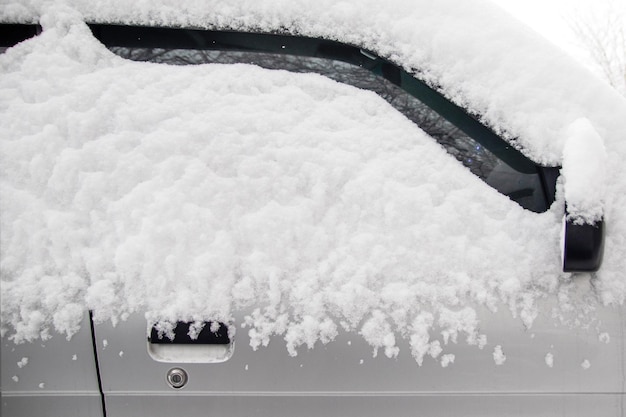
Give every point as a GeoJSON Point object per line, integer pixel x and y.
{"type": "Point", "coordinates": [177, 378]}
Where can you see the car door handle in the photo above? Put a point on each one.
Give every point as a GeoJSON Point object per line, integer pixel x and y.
{"type": "Point", "coordinates": [211, 344]}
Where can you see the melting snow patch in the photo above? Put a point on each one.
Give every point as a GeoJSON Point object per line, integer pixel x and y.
{"type": "Point", "coordinates": [585, 364]}
{"type": "Point", "coordinates": [549, 359]}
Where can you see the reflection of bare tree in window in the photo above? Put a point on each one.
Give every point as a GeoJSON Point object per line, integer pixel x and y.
{"type": "Point", "coordinates": [480, 161]}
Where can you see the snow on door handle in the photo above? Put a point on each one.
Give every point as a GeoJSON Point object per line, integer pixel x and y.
{"type": "Point", "coordinates": [207, 342]}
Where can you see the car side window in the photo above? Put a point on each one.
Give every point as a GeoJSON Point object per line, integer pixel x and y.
{"type": "Point", "coordinates": [475, 146]}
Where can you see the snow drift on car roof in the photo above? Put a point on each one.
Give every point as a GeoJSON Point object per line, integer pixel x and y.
{"type": "Point", "coordinates": [476, 53]}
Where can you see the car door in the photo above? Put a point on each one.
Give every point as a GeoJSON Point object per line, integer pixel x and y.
{"type": "Point", "coordinates": [544, 371]}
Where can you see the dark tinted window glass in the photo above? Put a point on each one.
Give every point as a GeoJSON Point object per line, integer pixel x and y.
{"type": "Point", "coordinates": [12, 34]}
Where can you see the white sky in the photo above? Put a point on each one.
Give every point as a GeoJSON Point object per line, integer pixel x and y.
{"type": "Point", "coordinates": [549, 17]}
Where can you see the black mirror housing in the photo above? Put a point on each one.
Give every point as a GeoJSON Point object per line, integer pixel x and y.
{"type": "Point", "coordinates": [583, 246]}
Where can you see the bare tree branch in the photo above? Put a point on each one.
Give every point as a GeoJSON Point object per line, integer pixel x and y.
{"type": "Point", "coordinates": [602, 34]}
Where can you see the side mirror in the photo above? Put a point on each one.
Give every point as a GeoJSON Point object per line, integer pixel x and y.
{"type": "Point", "coordinates": [583, 246]}
{"type": "Point", "coordinates": [584, 183]}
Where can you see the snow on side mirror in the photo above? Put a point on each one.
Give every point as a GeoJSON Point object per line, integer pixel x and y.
{"type": "Point", "coordinates": [584, 183]}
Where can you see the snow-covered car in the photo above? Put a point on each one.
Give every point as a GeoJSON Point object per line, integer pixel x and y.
{"type": "Point", "coordinates": [329, 208]}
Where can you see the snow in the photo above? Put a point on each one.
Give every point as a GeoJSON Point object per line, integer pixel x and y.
{"type": "Point", "coordinates": [196, 192]}
{"type": "Point", "coordinates": [378, 333]}
{"type": "Point", "coordinates": [604, 337]}
{"type": "Point", "coordinates": [22, 362]}
{"type": "Point", "coordinates": [585, 364]}
{"type": "Point", "coordinates": [498, 355]}
{"type": "Point", "coordinates": [447, 359]}
{"type": "Point", "coordinates": [584, 173]}
{"type": "Point", "coordinates": [549, 360]}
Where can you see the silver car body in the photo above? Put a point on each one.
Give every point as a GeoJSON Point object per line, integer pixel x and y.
{"type": "Point", "coordinates": [341, 378]}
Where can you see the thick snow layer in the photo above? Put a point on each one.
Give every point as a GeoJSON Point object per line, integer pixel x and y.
{"type": "Point", "coordinates": [478, 55]}
{"type": "Point", "coordinates": [498, 356]}
{"type": "Point", "coordinates": [193, 192]}
{"type": "Point", "coordinates": [584, 173]}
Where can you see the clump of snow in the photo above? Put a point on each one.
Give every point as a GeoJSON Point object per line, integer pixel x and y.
{"type": "Point", "coordinates": [195, 328]}
{"type": "Point", "coordinates": [585, 364]}
{"type": "Point", "coordinates": [549, 360]}
{"type": "Point", "coordinates": [310, 330]}
{"type": "Point", "coordinates": [378, 332]}
{"type": "Point", "coordinates": [189, 193]}
{"type": "Point", "coordinates": [584, 173]}
{"type": "Point", "coordinates": [498, 356]}
{"type": "Point", "coordinates": [435, 349]}
{"type": "Point", "coordinates": [447, 359]}
{"type": "Point", "coordinates": [15, 378]}
{"type": "Point", "coordinates": [453, 322]}
{"type": "Point", "coordinates": [420, 338]}
{"type": "Point", "coordinates": [42, 385]}
{"type": "Point", "coordinates": [604, 337]}
{"type": "Point", "coordinates": [22, 362]}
